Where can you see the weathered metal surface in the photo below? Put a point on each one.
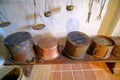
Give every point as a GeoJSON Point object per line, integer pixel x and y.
{"type": "Point", "coordinates": [116, 49]}
{"type": "Point", "coordinates": [20, 45]}
{"type": "Point", "coordinates": [77, 44]}
{"type": "Point", "coordinates": [62, 59]}
{"type": "Point", "coordinates": [101, 46]}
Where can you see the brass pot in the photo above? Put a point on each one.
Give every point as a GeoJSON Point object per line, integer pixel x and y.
{"type": "Point", "coordinates": [47, 13]}
{"type": "Point", "coordinates": [76, 45]}
{"type": "Point", "coordinates": [101, 46]}
{"type": "Point", "coordinates": [69, 7]}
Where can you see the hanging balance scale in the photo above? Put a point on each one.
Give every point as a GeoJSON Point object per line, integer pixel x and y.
{"type": "Point", "coordinates": [47, 12]}
{"type": "Point", "coordinates": [37, 26]}
{"type": "Point", "coordinates": [3, 23]}
{"type": "Point", "coordinates": [70, 6]}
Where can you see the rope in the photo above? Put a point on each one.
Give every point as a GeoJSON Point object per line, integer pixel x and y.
{"type": "Point", "coordinates": [3, 16]}
{"type": "Point", "coordinates": [34, 2]}
{"type": "Point", "coordinates": [70, 2]}
{"type": "Point", "coordinates": [35, 12]}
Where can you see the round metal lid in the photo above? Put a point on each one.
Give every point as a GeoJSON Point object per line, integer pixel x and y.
{"type": "Point", "coordinates": [77, 38]}
{"type": "Point", "coordinates": [17, 38]}
{"type": "Point", "coordinates": [103, 40]}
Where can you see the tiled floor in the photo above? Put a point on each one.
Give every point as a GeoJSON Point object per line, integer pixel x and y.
{"type": "Point", "coordinates": [82, 71]}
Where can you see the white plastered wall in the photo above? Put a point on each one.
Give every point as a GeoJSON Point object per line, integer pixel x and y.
{"type": "Point", "coordinates": [20, 14]}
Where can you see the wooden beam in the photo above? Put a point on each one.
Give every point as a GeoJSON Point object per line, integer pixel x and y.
{"type": "Point", "coordinates": [111, 18]}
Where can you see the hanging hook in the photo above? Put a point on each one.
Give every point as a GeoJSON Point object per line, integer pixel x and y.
{"type": "Point", "coordinates": [37, 26]}
{"type": "Point", "coordinates": [89, 12]}
{"type": "Point", "coordinates": [101, 9]}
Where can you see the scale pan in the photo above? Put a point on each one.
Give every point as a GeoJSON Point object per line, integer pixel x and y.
{"type": "Point", "coordinates": [4, 24]}
{"type": "Point", "coordinates": [38, 26]}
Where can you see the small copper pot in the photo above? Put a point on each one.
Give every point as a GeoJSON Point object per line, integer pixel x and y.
{"type": "Point", "coordinates": [69, 7]}
{"type": "Point", "coordinates": [48, 48]}
{"type": "Point", "coordinates": [47, 13]}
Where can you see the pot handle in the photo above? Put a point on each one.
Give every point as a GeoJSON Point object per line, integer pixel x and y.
{"type": "Point", "coordinates": [108, 53]}
{"type": "Point", "coordinates": [94, 51]}
{"type": "Point", "coordinates": [31, 60]}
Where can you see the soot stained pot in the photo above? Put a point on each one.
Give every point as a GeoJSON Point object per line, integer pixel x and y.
{"type": "Point", "coordinates": [20, 45]}
{"type": "Point", "coordinates": [76, 45]}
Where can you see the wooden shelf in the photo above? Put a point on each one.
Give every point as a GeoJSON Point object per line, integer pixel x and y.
{"type": "Point", "coordinates": [63, 59]}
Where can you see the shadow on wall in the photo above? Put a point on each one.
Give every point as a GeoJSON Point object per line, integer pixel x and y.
{"type": "Point", "coordinates": [36, 38]}
{"type": "Point", "coordinates": [72, 25]}
{"type": "Point", "coordinates": [1, 37]}
{"type": "Point", "coordinates": [24, 28]}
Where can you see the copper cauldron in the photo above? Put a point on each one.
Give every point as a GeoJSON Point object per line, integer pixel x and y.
{"type": "Point", "coordinates": [48, 48]}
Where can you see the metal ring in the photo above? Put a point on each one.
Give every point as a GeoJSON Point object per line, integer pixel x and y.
{"type": "Point", "coordinates": [31, 60]}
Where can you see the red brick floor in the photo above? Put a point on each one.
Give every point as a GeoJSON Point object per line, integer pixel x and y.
{"type": "Point", "coordinates": [83, 71]}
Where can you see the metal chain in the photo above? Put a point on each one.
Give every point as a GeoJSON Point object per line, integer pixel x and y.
{"type": "Point", "coordinates": [90, 8]}
{"type": "Point", "coordinates": [35, 12]}
{"type": "Point", "coordinates": [47, 6]}
{"type": "Point", "coordinates": [3, 16]}
{"type": "Point", "coordinates": [40, 15]}
{"type": "Point", "coordinates": [70, 2]}
{"type": "Point", "coordinates": [34, 2]}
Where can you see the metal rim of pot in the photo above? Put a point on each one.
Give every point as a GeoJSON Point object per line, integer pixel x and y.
{"type": "Point", "coordinates": [102, 36]}
{"type": "Point", "coordinates": [81, 33]}
{"type": "Point", "coordinates": [37, 26]}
